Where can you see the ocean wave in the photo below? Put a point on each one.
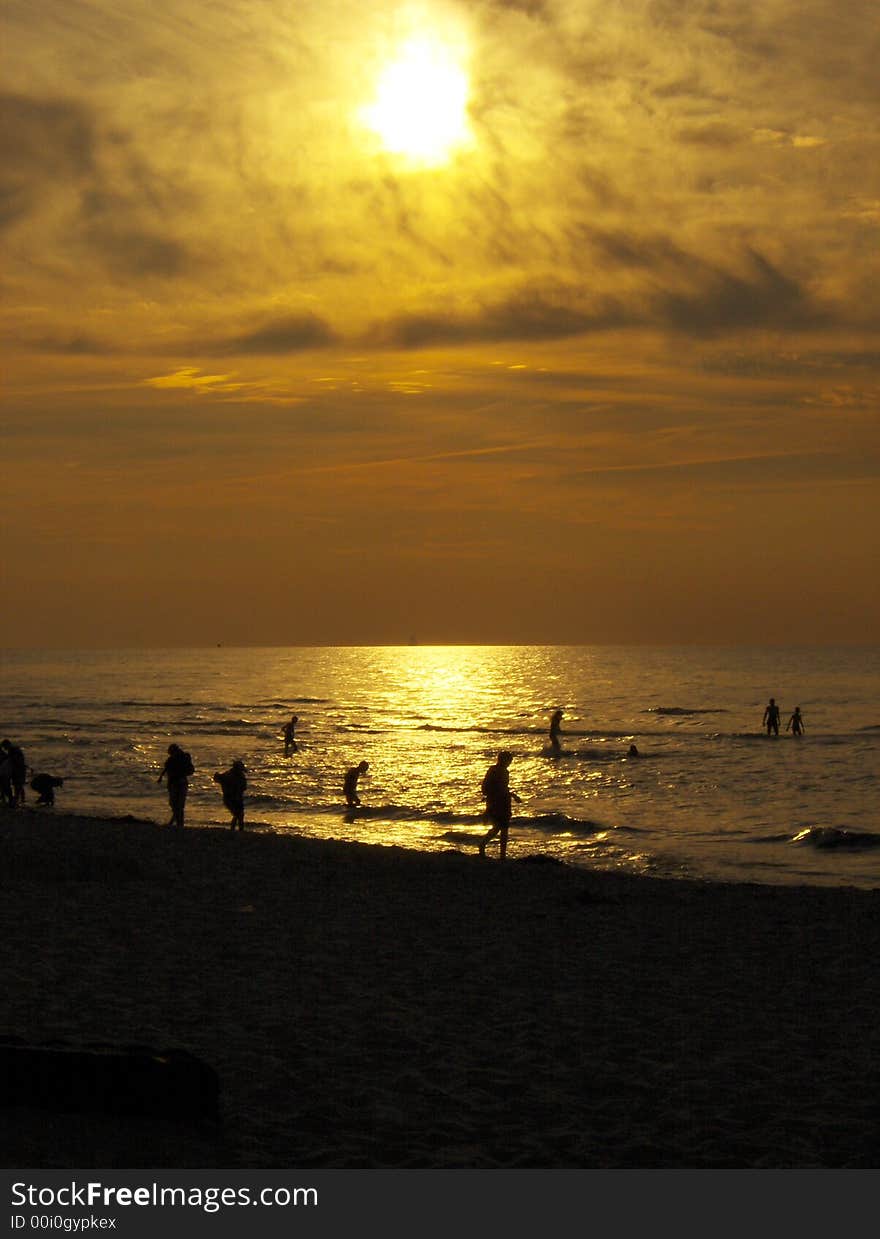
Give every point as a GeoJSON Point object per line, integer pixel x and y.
{"type": "Point", "coordinates": [277, 802]}
{"type": "Point", "coordinates": [295, 701]}
{"type": "Point", "coordinates": [573, 733]}
{"type": "Point", "coordinates": [452, 819]}
{"type": "Point", "coordinates": [837, 837]}
{"type": "Point", "coordinates": [550, 824]}
{"type": "Point", "coordinates": [481, 731]}
{"type": "Point", "coordinates": [683, 711]}
{"type": "Point", "coordinates": [141, 704]}
{"type": "Point", "coordinates": [560, 824]}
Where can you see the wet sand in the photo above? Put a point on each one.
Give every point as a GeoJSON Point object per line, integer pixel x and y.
{"type": "Point", "coordinates": [376, 1007]}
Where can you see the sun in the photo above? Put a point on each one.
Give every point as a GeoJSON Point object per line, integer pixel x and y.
{"type": "Point", "coordinates": [420, 107]}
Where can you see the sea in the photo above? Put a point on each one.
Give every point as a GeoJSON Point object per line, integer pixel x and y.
{"type": "Point", "coordinates": [710, 795]}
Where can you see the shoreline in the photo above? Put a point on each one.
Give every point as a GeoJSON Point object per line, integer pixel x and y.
{"type": "Point", "coordinates": [312, 824]}
{"type": "Point", "coordinates": [367, 1005]}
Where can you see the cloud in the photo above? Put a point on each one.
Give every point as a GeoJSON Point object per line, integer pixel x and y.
{"type": "Point", "coordinates": [289, 333]}
{"type": "Point", "coordinates": [773, 468]}
{"type": "Point", "coordinates": [682, 293]}
{"type": "Point", "coordinates": [45, 141]}
{"type": "Point", "coordinates": [189, 378]}
{"type": "Point", "coordinates": [650, 250]}
{"type": "Point", "coordinates": [760, 297]}
{"type": "Point", "coordinates": [791, 362]}
{"type": "Point", "coordinates": [132, 252]}
{"type": "Point", "coordinates": [73, 343]}
{"type": "Point", "coordinates": [781, 137]}
{"type": "Point", "coordinates": [711, 133]}
{"type": "Point", "coordinates": [56, 154]}
{"type": "Point", "coordinates": [529, 314]}
{"type": "Point", "coordinates": [618, 182]}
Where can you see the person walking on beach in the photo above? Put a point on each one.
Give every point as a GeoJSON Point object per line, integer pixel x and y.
{"type": "Point", "coordinates": [349, 785]}
{"type": "Point", "coordinates": [17, 771]}
{"type": "Point", "coordinates": [771, 718]}
{"type": "Point", "coordinates": [6, 795]}
{"type": "Point", "coordinates": [495, 788]}
{"type": "Point", "coordinates": [796, 723]}
{"type": "Point", "coordinates": [233, 783]}
{"type": "Point", "coordinates": [555, 730]}
{"type": "Point", "coordinates": [177, 769]}
{"type": "Point", "coordinates": [290, 745]}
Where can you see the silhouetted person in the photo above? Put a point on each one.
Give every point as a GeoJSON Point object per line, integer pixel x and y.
{"type": "Point", "coordinates": [496, 790]}
{"type": "Point", "coordinates": [177, 769]}
{"type": "Point", "coordinates": [289, 740]}
{"type": "Point", "coordinates": [17, 771]}
{"type": "Point", "coordinates": [44, 785]}
{"type": "Point", "coordinates": [349, 786]}
{"type": "Point", "coordinates": [633, 751]}
{"type": "Point", "coordinates": [233, 783]}
{"type": "Point", "coordinates": [796, 723]}
{"type": "Point", "coordinates": [771, 718]}
{"type": "Point", "coordinates": [555, 730]}
{"type": "Point", "coordinates": [6, 795]}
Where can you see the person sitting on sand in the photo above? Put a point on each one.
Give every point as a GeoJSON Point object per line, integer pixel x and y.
{"type": "Point", "coordinates": [290, 745]}
{"type": "Point", "coordinates": [44, 785]}
{"type": "Point", "coordinates": [496, 790]}
{"type": "Point", "coordinates": [555, 730]}
{"type": "Point", "coordinates": [771, 718]}
{"type": "Point", "coordinates": [349, 786]}
{"type": "Point", "coordinates": [177, 769]}
{"type": "Point", "coordinates": [796, 723]}
{"type": "Point", "coordinates": [233, 783]}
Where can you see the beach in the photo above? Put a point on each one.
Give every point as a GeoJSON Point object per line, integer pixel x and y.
{"type": "Point", "coordinates": [377, 1007]}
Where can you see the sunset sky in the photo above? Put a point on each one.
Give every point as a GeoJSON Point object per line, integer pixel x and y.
{"type": "Point", "coordinates": [585, 347]}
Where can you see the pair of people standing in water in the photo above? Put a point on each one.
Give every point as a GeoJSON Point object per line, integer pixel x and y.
{"type": "Point", "coordinates": [772, 719]}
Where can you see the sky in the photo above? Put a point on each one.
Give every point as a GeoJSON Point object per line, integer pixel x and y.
{"type": "Point", "coordinates": [352, 322]}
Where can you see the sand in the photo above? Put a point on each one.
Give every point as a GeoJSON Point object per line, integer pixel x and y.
{"type": "Point", "coordinates": [376, 1007]}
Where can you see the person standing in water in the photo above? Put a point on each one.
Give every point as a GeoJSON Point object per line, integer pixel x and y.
{"type": "Point", "coordinates": [496, 790]}
{"type": "Point", "coordinates": [233, 783]}
{"type": "Point", "coordinates": [796, 723]}
{"type": "Point", "coordinates": [290, 745]}
{"type": "Point", "coordinates": [177, 769]}
{"type": "Point", "coordinates": [555, 730]}
{"type": "Point", "coordinates": [771, 718]}
{"type": "Point", "coordinates": [349, 785]}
